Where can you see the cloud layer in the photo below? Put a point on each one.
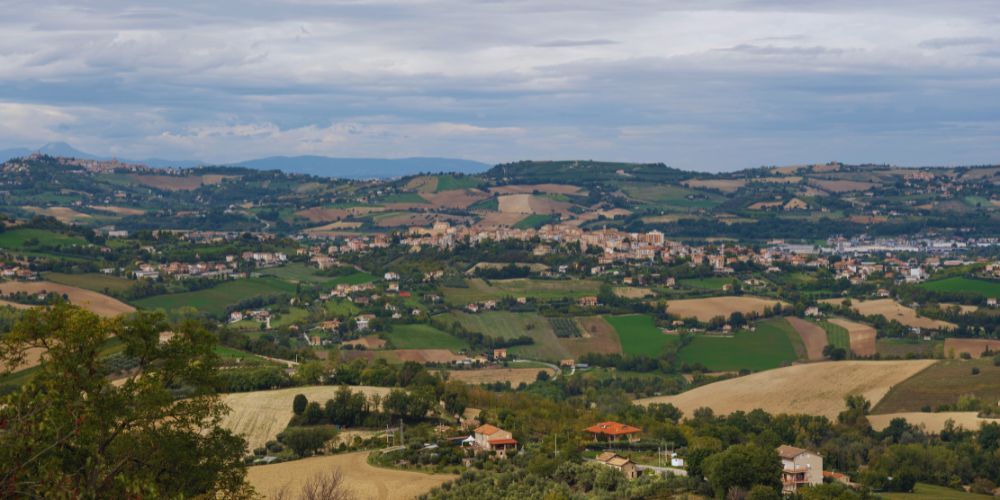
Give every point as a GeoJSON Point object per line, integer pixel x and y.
{"type": "Point", "coordinates": [708, 85]}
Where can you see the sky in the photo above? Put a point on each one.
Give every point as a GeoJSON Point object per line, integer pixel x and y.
{"type": "Point", "coordinates": [708, 85]}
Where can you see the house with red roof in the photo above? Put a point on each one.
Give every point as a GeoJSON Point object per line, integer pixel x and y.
{"type": "Point", "coordinates": [614, 431]}
{"type": "Point", "coordinates": [492, 438]}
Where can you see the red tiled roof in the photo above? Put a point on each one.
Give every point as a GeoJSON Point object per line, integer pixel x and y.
{"type": "Point", "coordinates": [487, 429]}
{"type": "Point", "coordinates": [502, 441]}
{"type": "Point", "coordinates": [612, 429]}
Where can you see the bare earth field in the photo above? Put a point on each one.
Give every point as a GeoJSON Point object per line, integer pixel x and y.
{"type": "Point", "coordinates": [123, 211]}
{"type": "Point", "coordinates": [893, 310]}
{"type": "Point", "coordinates": [454, 198]}
{"type": "Point", "coordinates": [65, 215]}
{"type": "Point", "coordinates": [931, 422]}
{"type": "Point", "coordinates": [365, 480]}
{"type": "Point", "coordinates": [813, 336]}
{"type": "Point", "coordinates": [975, 347]}
{"type": "Point", "coordinates": [260, 415]}
{"type": "Point", "coordinates": [707, 308]}
{"type": "Point", "coordinates": [597, 335]}
{"type": "Point", "coordinates": [530, 204]}
{"type": "Point", "coordinates": [812, 389]}
{"type": "Point", "coordinates": [490, 375]}
{"type": "Point", "coordinates": [97, 303]}
{"type": "Point", "coordinates": [494, 219]}
{"type": "Point", "coordinates": [177, 182]}
{"type": "Point", "coordinates": [862, 336]}
{"type": "Point", "coordinates": [531, 188]}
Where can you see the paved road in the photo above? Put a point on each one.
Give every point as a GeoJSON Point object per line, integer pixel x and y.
{"type": "Point", "coordinates": [663, 470]}
{"type": "Point", "coordinates": [550, 365]}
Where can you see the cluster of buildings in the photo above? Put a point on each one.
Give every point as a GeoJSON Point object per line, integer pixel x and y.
{"type": "Point", "coordinates": [17, 272]}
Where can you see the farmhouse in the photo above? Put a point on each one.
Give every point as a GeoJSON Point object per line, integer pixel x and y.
{"type": "Point", "coordinates": [614, 431]}
{"type": "Point", "coordinates": [588, 301]}
{"type": "Point", "coordinates": [618, 462]}
{"type": "Point", "coordinates": [799, 468]}
{"type": "Point", "coordinates": [488, 437]}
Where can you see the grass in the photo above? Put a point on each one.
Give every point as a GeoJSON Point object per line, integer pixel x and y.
{"type": "Point", "coordinates": [667, 196]}
{"type": "Point", "coordinates": [353, 279]}
{"type": "Point", "coordinates": [341, 308]}
{"type": "Point", "coordinates": [959, 284]}
{"type": "Point", "coordinates": [489, 204]}
{"type": "Point", "coordinates": [933, 492]}
{"type": "Point", "coordinates": [16, 238]}
{"type": "Point", "coordinates": [836, 335]}
{"type": "Point", "coordinates": [294, 315]}
{"type": "Point", "coordinates": [714, 283]}
{"type": "Point", "coordinates": [297, 272]}
{"type": "Point", "coordinates": [943, 383]}
{"type": "Point", "coordinates": [770, 346]}
{"type": "Point", "coordinates": [215, 300]}
{"type": "Point", "coordinates": [479, 290]}
{"type": "Point", "coordinates": [535, 221]}
{"type": "Point", "coordinates": [638, 334]}
{"type": "Point", "coordinates": [404, 198]}
{"type": "Point", "coordinates": [418, 336]}
{"type": "Point", "coordinates": [91, 281]}
{"type": "Point", "coordinates": [450, 182]}
{"type": "Point", "coordinates": [904, 347]}
{"type": "Point", "coordinates": [509, 325]}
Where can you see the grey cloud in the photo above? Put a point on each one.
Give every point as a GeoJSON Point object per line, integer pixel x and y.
{"type": "Point", "coordinates": [576, 43]}
{"type": "Point", "coordinates": [943, 43]}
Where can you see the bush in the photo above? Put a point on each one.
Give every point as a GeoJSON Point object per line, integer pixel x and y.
{"type": "Point", "coordinates": [299, 404]}
{"type": "Point", "coordinates": [304, 441]}
{"type": "Point", "coordinates": [975, 370]}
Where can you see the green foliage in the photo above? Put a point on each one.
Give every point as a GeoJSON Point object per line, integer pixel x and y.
{"type": "Point", "coordinates": [639, 335]}
{"type": "Point", "coordinates": [305, 441]}
{"type": "Point", "coordinates": [767, 347]}
{"type": "Point", "coordinates": [299, 404]}
{"type": "Point", "coordinates": [743, 466]}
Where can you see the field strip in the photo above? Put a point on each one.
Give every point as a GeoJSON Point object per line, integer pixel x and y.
{"type": "Point", "coordinates": [363, 479]}
{"type": "Point", "coordinates": [813, 336]}
{"type": "Point", "coordinates": [812, 389]}
{"type": "Point", "coordinates": [862, 336]}
{"type": "Point", "coordinates": [932, 422]}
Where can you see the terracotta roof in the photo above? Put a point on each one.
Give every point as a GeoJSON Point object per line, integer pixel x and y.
{"type": "Point", "coordinates": [604, 457]}
{"type": "Point", "coordinates": [612, 429]}
{"type": "Point", "coordinates": [487, 429]}
{"type": "Point", "coordinates": [618, 461]}
{"type": "Point", "coordinates": [789, 452]}
{"type": "Point", "coordinates": [502, 441]}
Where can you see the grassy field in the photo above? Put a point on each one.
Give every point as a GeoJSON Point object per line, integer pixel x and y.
{"type": "Point", "coordinates": [418, 336]}
{"type": "Point", "coordinates": [534, 221]}
{"type": "Point", "coordinates": [769, 347]}
{"type": "Point", "coordinates": [903, 347]}
{"type": "Point", "coordinates": [958, 284]}
{"type": "Point", "coordinates": [215, 300]}
{"type": "Point", "coordinates": [667, 196]}
{"type": "Point", "coordinates": [404, 198]}
{"type": "Point", "coordinates": [16, 238]}
{"type": "Point", "coordinates": [714, 283]}
{"type": "Point", "coordinates": [639, 335]}
{"type": "Point", "coordinates": [836, 335]}
{"type": "Point", "coordinates": [509, 325]}
{"type": "Point", "coordinates": [341, 308]}
{"type": "Point", "coordinates": [299, 272]}
{"type": "Point", "coordinates": [479, 290]}
{"type": "Point", "coordinates": [931, 492]}
{"type": "Point", "coordinates": [449, 182]}
{"type": "Point", "coordinates": [91, 281]}
{"type": "Point", "coordinates": [944, 383]}
{"type": "Point", "coordinates": [353, 279]}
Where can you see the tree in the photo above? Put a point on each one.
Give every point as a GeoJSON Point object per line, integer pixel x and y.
{"type": "Point", "coordinates": [70, 433]}
{"type": "Point", "coordinates": [743, 466]}
{"type": "Point", "coordinates": [299, 404]}
{"type": "Point", "coordinates": [304, 441]}
{"type": "Point", "coordinates": [857, 409]}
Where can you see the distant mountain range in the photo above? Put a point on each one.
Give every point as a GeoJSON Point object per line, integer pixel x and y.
{"type": "Point", "coordinates": [325, 166]}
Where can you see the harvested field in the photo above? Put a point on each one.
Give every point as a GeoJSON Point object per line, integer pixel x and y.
{"type": "Point", "coordinates": [868, 219]}
{"type": "Point", "coordinates": [531, 188]}
{"type": "Point", "coordinates": [943, 384]}
{"type": "Point", "coordinates": [530, 204]}
{"type": "Point", "coordinates": [862, 336]}
{"type": "Point", "coordinates": [893, 310]}
{"type": "Point", "coordinates": [97, 303]}
{"type": "Point", "coordinates": [724, 185]}
{"type": "Point", "coordinates": [334, 226]}
{"type": "Point", "coordinates": [322, 214]}
{"type": "Point", "coordinates": [666, 219]}
{"type": "Point", "coordinates": [707, 308]}
{"type": "Point", "coordinates": [366, 342]}
{"type": "Point", "coordinates": [415, 219]}
{"type": "Point", "coordinates": [123, 211]}
{"type": "Point", "coordinates": [931, 422]}
{"type": "Point", "coordinates": [812, 389]}
{"type": "Point", "coordinates": [515, 376]}
{"type": "Point", "coordinates": [178, 182]}
{"type": "Point", "coordinates": [494, 219]}
{"type": "Point", "coordinates": [633, 292]}
{"type": "Point", "coordinates": [455, 198]}
{"type": "Point", "coordinates": [361, 478]}
{"type": "Point", "coordinates": [422, 184]}
{"type": "Point", "coordinates": [260, 415]}
{"type": "Point", "coordinates": [427, 355]}
{"type": "Point", "coordinates": [789, 179]}
{"type": "Point", "coordinates": [961, 307]}
{"type": "Point", "coordinates": [840, 186]}
{"type": "Point", "coordinates": [596, 335]}
{"type": "Point", "coordinates": [813, 337]}
{"type": "Point", "coordinates": [974, 347]}
{"type": "Point", "coordinates": [65, 215]}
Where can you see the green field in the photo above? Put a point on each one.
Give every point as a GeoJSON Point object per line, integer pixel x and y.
{"type": "Point", "coordinates": [16, 238]}
{"type": "Point", "coordinates": [770, 346]}
{"type": "Point", "coordinates": [714, 283]}
{"type": "Point", "coordinates": [418, 336]}
{"type": "Point", "coordinates": [509, 325]}
{"type": "Point", "coordinates": [91, 281]}
{"type": "Point", "coordinates": [479, 290]}
{"type": "Point", "coordinates": [298, 272]}
{"type": "Point", "coordinates": [943, 383]}
{"type": "Point", "coordinates": [638, 334]}
{"type": "Point", "coordinates": [353, 279]}
{"type": "Point", "coordinates": [535, 221]}
{"type": "Point", "coordinates": [215, 300]}
{"type": "Point", "coordinates": [958, 284]}
{"type": "Point", "coordinates": [931, 492]}
{"type": "Point", "coordinates": [668, 196]}
{"type": "Point", "coordinates": [449, 182]}
{"type": "Point", "coordinates": [904, 347]}
{"type": "Point", "coordinates": [404, 198]}
{"type": "Point", "coordinates": [341, 308]}
{"type": "Point", "coordinates": [836, 335]}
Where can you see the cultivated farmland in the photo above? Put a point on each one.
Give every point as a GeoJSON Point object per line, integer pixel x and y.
{"type": "Point", "coordinates": [862, 336]}
{"type": "Point", "coordinates": [94, 302]}
{"type": "Point", "coordinates": [812, 389]}
{"type": "Point", "coordinates": [260, 415]}
{"type": "Point", "coordinates": [942, 384]}
{"type": "Point", "coordinates": [707, 308]}
{"type": "Point", "coordinates": [418, 336]}
{"type": "Point", "coordinates": [596, 335]}
{"type": "Point", "coordinates": [931, 422]}
{"type": "Point", "coordinates": [892, 310]}
{"type": "Point", "coordinates": [638, 334]}
{"type": "Point", "coordinates": [813, 337]}
{"type": "Point", "coordinates": [959, 284]}
{"type": "Point", "coordinates": [91, 281]}
{"type": "Point", "coordinates": [770, 346]}
{"type": "Point", "coordinates": [479, 289]}
{"type": "Point", "coordinates": [515, 376]}
{"type": "Point", "coordinates": [972, 347]}
{"type": "Point", "coordinates": [363, 479]}
{"type": "Point", "coordinates": [510, 325]}
{"type": "Point", "coordinates": [215, 300]}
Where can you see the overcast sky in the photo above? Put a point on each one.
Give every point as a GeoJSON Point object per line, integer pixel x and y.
{"type": "Point", "coordinates": [700, 84]}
